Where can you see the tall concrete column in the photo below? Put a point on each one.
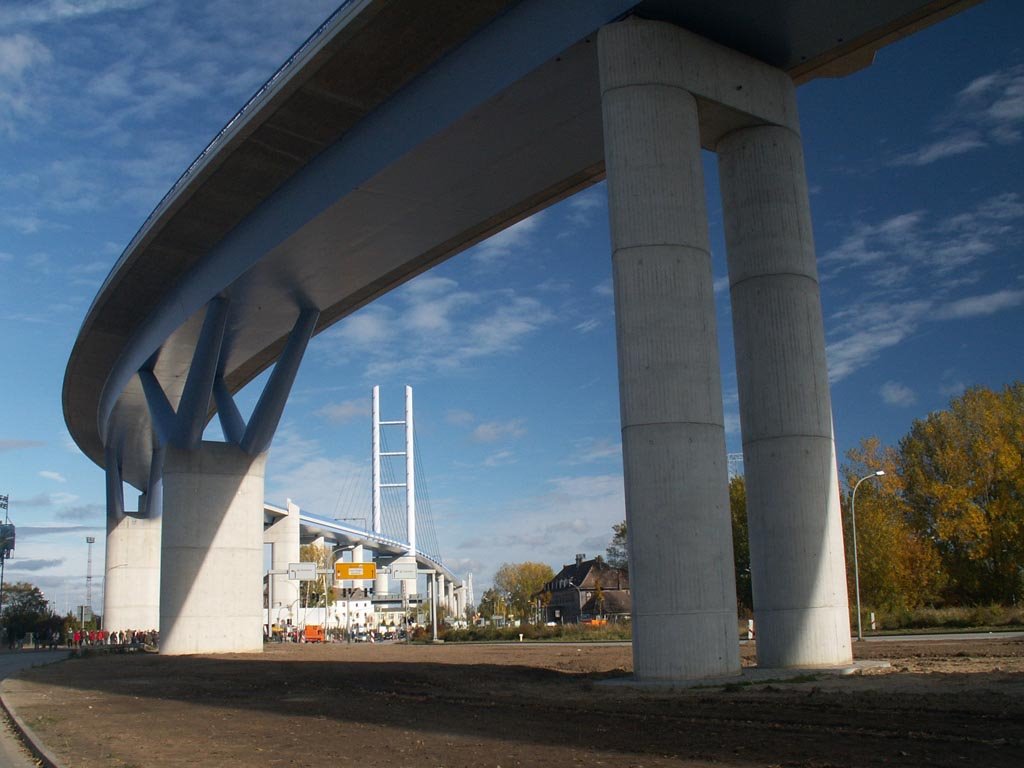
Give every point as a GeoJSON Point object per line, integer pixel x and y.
{"type": "Point", "coordinates": [673, 438]}
{"type": "Point", "coordinates": [796, 541]}
{"type": "Point", "coordinates": [283, 538]}
{"type": "Point", "coordinates": [212, 551]}
{"type": "Point", "coordinates": [131, 583]}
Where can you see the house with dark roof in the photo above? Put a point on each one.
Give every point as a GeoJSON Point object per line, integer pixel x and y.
{"type": "Point", "coordinates": [586, 589]}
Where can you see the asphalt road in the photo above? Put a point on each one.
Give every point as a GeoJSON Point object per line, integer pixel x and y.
{"type": "Point", "coordinates": [12, 753]}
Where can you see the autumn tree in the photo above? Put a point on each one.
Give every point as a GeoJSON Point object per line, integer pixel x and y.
{"type": "Point", "coordinates": [899, 567]}
{"type": "Point", "coordinates": [963, 476]}
{"type": "Point", "coordinates": [492, 603]}
{"type": "Point", "coordinates": [741, 543]}
{"type": "Point", "coordinates": [314, 591]}
{"type": "Point", "coordinates": [518, 582]}
{"type": "Point", "coordinates": [617, 553]}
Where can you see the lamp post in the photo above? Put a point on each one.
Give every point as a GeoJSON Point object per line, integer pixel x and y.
{"type": "Point", "coordinates": [856, 564]}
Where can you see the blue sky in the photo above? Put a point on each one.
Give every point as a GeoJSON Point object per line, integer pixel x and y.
{"type": "Point", "coordinates": [914, 166]}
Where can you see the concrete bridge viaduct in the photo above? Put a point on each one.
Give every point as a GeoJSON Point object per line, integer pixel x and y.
{"type": "Point", "coordinates": [405, 132]}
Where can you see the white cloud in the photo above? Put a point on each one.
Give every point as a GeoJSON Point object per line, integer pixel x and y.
{"type": "Point", "coordinates": [371, 327]}
{"type": "Point", "coordinates": [590, 450]}
{"type": "Point", "coordinates": [51, 475]}
{"type": "Point", "coordinates": [952, 388]}
{"type": "Point", "coordinates": [17, 445]}
{"type": "Point", "coordinates": [341, 413]}
{"type": "Point", "coordinates": [867, 330]}
{"type": "Point", "coordinates": [895, 393]}
{"type": "Point", "coordinates": [588, 325]}
{"type": "Point", "coordinates": [948, 147]}
{"type": "Point", "coordinates": [989, 110]}
{"type": "Point", "coordinates": [980, 306]}
{"type": "Point", "coordinates": [505, 243]}
{"type": "Point", "coordinates": [19, 54]}
{"type": "Point", "coordinates": [492, 431]}
{"type": "Point", "coordinates": [500, 459]}
{"type": "Point", "coordinates": [51, 11]}
{"type": "Point", "coordinates": [459, 417]}
{"type": "Point", "coordinates": [575, 514]}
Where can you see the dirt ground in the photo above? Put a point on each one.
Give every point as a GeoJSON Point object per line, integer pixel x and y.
{"type": "Point", "coordinates": [942, 703]}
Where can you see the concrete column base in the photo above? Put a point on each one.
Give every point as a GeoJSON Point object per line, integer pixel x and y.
{"type": "Point", "coordinates": [212, 551]}
{"type": "Point", "coordinates": [131, 583]}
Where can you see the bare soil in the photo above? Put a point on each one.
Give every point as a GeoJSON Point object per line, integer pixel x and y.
{"type": "Point", "coordinates": [942, 703]}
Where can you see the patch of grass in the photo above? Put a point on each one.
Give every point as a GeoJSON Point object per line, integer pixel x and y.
{"type": "Point", "coordinates": [569, 633]}
{"type": "Point", "coordinates": [951, 618]}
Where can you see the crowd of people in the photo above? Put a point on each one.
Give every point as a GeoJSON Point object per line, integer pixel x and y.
{"type": "Point", "coordinates": [122, 638]}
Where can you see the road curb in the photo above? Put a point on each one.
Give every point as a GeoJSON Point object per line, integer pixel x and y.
{"type": "Point", "coordinates": [29, 737]}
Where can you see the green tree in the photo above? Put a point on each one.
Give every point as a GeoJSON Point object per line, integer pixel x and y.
{"type": "Point", "coordinates": [741, 543]}
{"type": "Point", "coordinates": [24, 609]}
{"type": "Point", "coordinates": [963, 475]}
{"type": "Point", "coordinates": [518, 582]}
{"type": "Point", "coordinates": [617, 553]}
{"type": "Point", "coordinates": [899, 567]}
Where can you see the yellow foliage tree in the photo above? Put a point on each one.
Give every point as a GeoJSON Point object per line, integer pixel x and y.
{"type": "Point", "coordinates": [899, 568]}
{"type": "Point", "coordinates": [963, 471]}
{"type": "Point", "coordinates": [517, 582]}
{"type": "Point", "coordinates": [313, 591]}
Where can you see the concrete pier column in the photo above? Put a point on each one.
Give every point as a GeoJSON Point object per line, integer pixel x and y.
{"type": "Point", "coordinates": [131, 583]}
{"type": "Point", "coordinates": [212, 551]}
{"type": "Point", "coordinates": [381, 583]}
{"type": "Point", "coordinates": [796, 541]}
{"type": "Point", "coordinates": [283, 538]}
{"type": "Point", "coordinates": [673, 438]}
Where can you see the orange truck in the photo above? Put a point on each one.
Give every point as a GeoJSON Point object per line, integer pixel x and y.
{"type": "Point", "coordinates": [314, 633]}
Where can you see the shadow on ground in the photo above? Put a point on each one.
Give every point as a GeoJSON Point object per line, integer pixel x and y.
{"type": "Point", "coordinates": [454, 706]}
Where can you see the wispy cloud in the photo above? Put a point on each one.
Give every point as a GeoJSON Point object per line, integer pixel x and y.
{"type": "Point", "coordinates": [82, 512]}
{"type": "Point", "coordinates": [344, 412]}
{"type": "Point", "coordinates": [905, 248]}
{"type": "Point", "coordinates": [51, 475]}
{"type": "Point", "coordinates": [590, 450]}
{"type": "Point", "coordinates": [33, 565]}
{"type": "Point", "coordinates": [584, 208]}
{"type": "Point", "coordinates": [497, 248]}
{"type": "Point", "coordinates": [980, 306]}
{"type": "Point", "coordinates": [459, 417]}
{"type": "Point", "coordinates": [19, 54]}
{"type": "Point", "coordinates": [18, 445]}
{"type": "Point", "coordinates": [989, 110]}
{"type": "Point", "coordinates": [882, 326]}
{"type": "Point", "coordinates": [433, 325]}
{"type": "Point", "coordinates": [895, 393]}
{"type": "Point", "coordinates": [51, 11]}
{"type": "Point", "coordinates": [492, 431]}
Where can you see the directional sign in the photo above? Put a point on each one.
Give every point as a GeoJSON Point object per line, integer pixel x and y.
{"type": "Point", "coordinates": [355, 571]}
{"type": "Point", "coordinates": [302, 571]}
{"type": "Point", "coordinates": [403, 571]}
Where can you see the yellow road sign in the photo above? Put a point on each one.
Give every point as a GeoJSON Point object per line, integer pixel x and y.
{"type": "Point", "coordinates": [355, 571]}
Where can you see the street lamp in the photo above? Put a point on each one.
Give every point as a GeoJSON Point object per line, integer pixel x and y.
{"type": "Point", "coordinates": [856, 565]}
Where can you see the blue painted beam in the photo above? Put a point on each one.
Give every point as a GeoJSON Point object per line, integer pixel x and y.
{"type": "Point", "coordinates": [267, 414]}
{"type": "Point", "coordinates": [195, 398]}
